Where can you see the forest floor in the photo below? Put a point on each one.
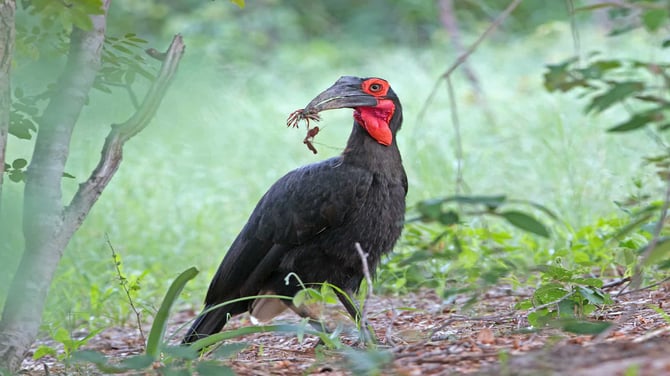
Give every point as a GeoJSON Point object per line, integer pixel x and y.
{"type": "Point", "coordinates": [422, 335]}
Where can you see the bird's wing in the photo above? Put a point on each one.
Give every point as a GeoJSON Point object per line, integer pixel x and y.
{"type": "Point", "coordinates": [299, 206]}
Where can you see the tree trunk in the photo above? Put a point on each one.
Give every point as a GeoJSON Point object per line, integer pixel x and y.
{"type": "Point", "coordinates": [45, 238]}
{"type": "Point", "coordinates": [7, 34]}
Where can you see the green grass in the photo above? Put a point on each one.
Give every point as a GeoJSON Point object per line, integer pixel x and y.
{"type": "Point", "coordinates": [189, 181]}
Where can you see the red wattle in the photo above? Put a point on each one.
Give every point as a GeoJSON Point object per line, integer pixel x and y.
{"type": "Point", "coordinates": [375, 120]}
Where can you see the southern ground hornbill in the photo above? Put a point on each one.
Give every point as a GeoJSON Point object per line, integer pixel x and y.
{"type": "Point", "coordinates": [310, 220]}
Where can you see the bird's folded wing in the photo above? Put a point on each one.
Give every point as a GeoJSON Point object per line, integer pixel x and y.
{"type": "Point", "coordinates": [298, 207]}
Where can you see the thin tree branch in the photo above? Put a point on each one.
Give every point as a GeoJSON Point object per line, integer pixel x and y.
{"type": "Point", "coordinates": [112, 151]}
{"type": "Point", "coordinates": [450, 23]}
{"type": "Point", "coordinates": [463, 57]}
{"type": "Point", "coordinates": [636, 279]}
{"type": "Point", "coordinates": [576, 42]}
{"type": "Point", "coordinates": [458, 147]}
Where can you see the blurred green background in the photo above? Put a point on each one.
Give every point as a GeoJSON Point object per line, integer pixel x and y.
{"type": "Point", "coordinates": [189, 181]}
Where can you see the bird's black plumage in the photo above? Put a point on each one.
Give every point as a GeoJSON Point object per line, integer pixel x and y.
{"type": "Point", "coordinates": [309, 221]}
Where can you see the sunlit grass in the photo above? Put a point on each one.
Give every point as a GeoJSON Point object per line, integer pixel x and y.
{"type": "Point", "coordinates": [189, 181]}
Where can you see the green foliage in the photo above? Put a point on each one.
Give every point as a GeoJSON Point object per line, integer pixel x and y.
{"type": "Point", "coordinates": [173, 359]}
{"type": "Point", "coordinates": [123, 59]}
{"type": "Point", "coordinates": [74, 13]}
{"type": "Point", "coordinates": [436, 210]}
{"type": "Point", "coordinates": [627, 83]}
{"type": "Point", "coordinates": [565, 295]}
{"type": "Point", "coordinates": [70, 344]}
{"type": "Point", "coordinates": [640, 88]}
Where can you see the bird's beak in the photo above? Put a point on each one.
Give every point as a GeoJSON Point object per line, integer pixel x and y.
{"type": "Point", "coordinates": [345, 93]}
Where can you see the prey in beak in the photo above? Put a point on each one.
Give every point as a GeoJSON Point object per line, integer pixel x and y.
{"type": "Point", "coordinates": [346, 92]}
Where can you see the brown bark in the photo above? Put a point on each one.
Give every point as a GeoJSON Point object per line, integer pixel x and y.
{"type": "Point", "coordinates": [7, 35]}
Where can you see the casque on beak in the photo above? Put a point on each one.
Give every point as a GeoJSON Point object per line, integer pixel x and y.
{"type": "Point", "coordinates": [345, 93]}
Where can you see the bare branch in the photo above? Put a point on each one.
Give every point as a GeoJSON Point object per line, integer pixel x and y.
{"type": "Point", "coordinates": [636, 279]}
{"type": "Point", "coordinates": [112, 151]}
{"type": "Point", "coordinates": [463, 57]}
{"type": "Point", "coordinates": [450, 23]}
{"type": "Point", "coordinates": [365, 328]}
{"type": "Point", "coordinates": [458, 149]}
{"type": "Point", "coordinates": [368, 280]}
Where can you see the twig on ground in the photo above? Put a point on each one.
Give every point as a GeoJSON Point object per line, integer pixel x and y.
{"type": "Point", "coordinates": [368, 279]}
{"type": "Point", "coordinates": [123, 281]}
{"type": "Point", "coordinates": [494, 318]}
{"type": "Point", "coordinates": [616, 283]}
{"type": "Point", "coordinates": [645, 287]}
{"type": "Point", "coordinates": [651, 334]}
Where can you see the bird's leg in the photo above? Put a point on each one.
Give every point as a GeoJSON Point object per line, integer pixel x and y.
{"type": "Point", "coordinates": [367, 333]}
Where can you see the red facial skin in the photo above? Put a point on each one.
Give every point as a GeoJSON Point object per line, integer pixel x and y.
{"type": "Point", "coordinates": [375, 120]}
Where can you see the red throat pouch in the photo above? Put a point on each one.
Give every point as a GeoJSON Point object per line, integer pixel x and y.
{"type": "Point", "coordinates": [375, 120]}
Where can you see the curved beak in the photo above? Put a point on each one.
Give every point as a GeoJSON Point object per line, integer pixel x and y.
{"type": "Point", "coordinates": [345, 93]}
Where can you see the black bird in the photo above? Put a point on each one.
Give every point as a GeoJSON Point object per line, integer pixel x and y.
{"type": "Point", "coordinates": [309, 221]}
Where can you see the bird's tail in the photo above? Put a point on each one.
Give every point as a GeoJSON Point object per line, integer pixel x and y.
{"type": "Point", "coordinates": [207, 324]}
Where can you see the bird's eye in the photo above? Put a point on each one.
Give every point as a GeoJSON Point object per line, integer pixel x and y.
{"type": "Point", "coordinates": [375, 88]}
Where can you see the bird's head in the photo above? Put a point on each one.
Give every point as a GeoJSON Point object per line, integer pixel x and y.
{"type": "Point", "coordinates": [376, 107]}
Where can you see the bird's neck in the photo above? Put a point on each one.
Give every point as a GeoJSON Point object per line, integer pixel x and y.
{"type": "Point", "coordinates": [364, 151]}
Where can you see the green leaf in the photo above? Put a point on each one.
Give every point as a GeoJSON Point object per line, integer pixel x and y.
{"type": "Point", "coordinates": [551, 292]}
{"type": "Point", "coordinates": [43, 351]}
{"type": "Point", "coordinates": [69, 176]}
{"type": "Point", "coordinates": [583, 326]}
{"type": "Point", "coordinates": [61, 335]}
{"type": "Point", "coordinates": [592, 282]}
{"type": "Point", "coordinates": [430, 209]}
{"type": "Point", "coordinates": [653, 19]}
{"type": "Point", "coordinates": [228, 350]}
{"type": "Point", "coordinates": [525, 222]}
{"type": "Point", "coordinates": [592, 296]}
{"type": "Point", "coordinates": [89, 356]}
{"type": "Point", "coordinates": [210, 368]}
{"type": "Point", "coordinates": [449, 218]}
{"type": "Point", "coordinates": [16, 176]}
{"type": "Point", "coordinates": [137, 362]}
{"type": "Point", "coordinates": [524, 305]}
{"type": "Point", "coordinates": [491, 202]}
{"type": "Point", "coordinates": [19, 163]}
{"type": "Point", "coordinates": [635, 122]}
{"type": "Point", "coordinates": [617, 93]}
{"type": "Point", "coordinates": [556, 273]}
{"type": "Point", "coordinates": [239, 3]}
{"type": "Point", "coordinates": [180, 352]}
{"type": "Point", "coordinates": [160, 321]}
{"type": "Point", "coordinates": [81, 19]}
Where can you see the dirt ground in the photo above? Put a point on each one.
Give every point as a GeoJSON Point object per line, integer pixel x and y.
{"type": "Point", "coordinates": [434, 338]}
